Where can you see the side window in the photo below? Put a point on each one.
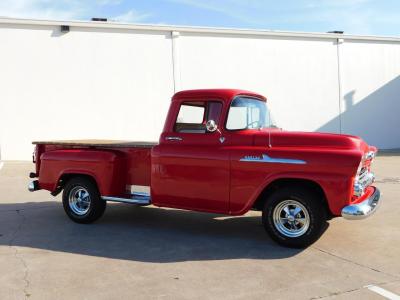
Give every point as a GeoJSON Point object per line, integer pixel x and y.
{"type": "Point", "coordinates": [191, 118]}
{"type": "Point", "coordinates": [237, 118]}
{"type": "Point", "coordinates": [247, 113]}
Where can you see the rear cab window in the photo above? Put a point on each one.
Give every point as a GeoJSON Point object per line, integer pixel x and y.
{"type": "Point", "coordinates": [193, 116]}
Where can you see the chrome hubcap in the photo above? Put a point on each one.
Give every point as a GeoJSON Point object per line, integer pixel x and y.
{"type": "Point", "coordinates": [79, 200]}
{"type": "Point", "coordinates": [291, 218]}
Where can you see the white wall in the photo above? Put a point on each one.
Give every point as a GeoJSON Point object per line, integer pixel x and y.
{"type": "Point", "coordinates": [371, 92]}
{"type": "Point", "coordinates": [298, 76]}
{"type": "Point", "coordinates": [116, 83]}
{"type": "Point", "coordinates": [84, 84]}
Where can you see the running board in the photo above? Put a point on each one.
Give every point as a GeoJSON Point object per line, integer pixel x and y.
{"type": "Point", "coordinates": [137, 198]}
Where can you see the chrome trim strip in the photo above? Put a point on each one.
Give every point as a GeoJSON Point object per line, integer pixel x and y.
{"type": "Point", "coordinates": [364, 209]}
{"type": "Point", "coordinates": [140, 194]}
{"type": "Point", "coordinates": [173, 138]}
{"type": "Point", "coordinates": [264, 158]}
{"type": "Point", "coordinates": [136, 199]}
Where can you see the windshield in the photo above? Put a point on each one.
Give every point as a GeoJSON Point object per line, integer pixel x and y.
{"type": "Point", "coordinates": [248, 113]}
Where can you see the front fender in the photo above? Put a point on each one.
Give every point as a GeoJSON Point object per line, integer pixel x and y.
{"type": "Point", "coordinates": [336, 188]}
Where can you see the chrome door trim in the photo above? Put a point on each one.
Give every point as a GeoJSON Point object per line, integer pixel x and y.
{"type": "Point", "coordinates": [173, 138]}
{"type": "Point", "coordinates": [264, 158]}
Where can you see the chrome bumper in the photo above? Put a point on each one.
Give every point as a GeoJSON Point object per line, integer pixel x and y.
{"type": "Point", "coordinates": [364, 209]}
{"type": "Point", "coordinates": [33, 186]}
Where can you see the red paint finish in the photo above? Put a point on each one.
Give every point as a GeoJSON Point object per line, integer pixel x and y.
{"type": "Point", "coordinates": [108, 169]}
{"type": "Point", "coordinates": [191, 174]}
{"type": "Point", "coordinates": [113, 169]}
{"type": "Point", "coordinates": [138, 166]}
{"type": "Point", "coordinates": [197, 171]}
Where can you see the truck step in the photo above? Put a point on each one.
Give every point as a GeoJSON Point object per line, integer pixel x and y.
{"type": "Point", "coordinates": [136, 198]}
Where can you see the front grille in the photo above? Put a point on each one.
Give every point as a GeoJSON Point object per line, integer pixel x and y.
{"type": "Point", "coordinates": [363, 173]}
{"type": "Point", "coordinates": [363, 180]}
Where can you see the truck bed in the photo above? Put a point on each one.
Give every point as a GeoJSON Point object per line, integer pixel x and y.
{"type": "Point", "coordinates": [136, 156]}
{"type": "Point", "coordinates": [99, 143]}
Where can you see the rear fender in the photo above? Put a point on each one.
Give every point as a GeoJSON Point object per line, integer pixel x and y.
{"type": "Point", "coordinates": [107, 168]}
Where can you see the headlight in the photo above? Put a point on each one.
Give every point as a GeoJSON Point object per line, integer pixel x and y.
{"type": "Point", "coordinates": [369, 155]}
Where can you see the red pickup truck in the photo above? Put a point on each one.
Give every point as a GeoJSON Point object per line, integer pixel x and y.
{"type": "Point", "coordinates": [219, 153]}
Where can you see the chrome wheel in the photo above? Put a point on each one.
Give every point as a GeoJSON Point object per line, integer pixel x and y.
{"type": "Point", "coordinates": [79, 200]}
{"type": "Point", "coordinates": [291, 218]}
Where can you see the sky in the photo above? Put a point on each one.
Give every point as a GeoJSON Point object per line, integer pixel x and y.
{"type": "Point", "coordinates": [366, 17]}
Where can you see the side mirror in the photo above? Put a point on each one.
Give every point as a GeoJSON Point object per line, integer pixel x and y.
{"type": "Point", "coordinates": [211, 126]}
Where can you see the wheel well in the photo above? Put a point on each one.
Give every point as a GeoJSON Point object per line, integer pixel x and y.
{"type": "Point", "coordinates": [66, 177]}
{"type": "Point", "coordinates": [285, 182]}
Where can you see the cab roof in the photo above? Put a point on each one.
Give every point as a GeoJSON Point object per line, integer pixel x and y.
{"type": "Point", "coordinates": [211, 94]}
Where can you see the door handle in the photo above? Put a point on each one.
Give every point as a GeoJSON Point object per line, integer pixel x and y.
{"type": "Point", "coordinates": [173, 138]}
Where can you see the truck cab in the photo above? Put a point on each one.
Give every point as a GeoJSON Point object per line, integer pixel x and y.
{"type": "Point", "coordinates": [219, 152]}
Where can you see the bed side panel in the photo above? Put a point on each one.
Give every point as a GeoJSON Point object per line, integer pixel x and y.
{"type": "Point", "coordinates": [108, 168]}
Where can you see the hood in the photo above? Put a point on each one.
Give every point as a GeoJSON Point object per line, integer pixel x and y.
{"type": "Point", "coordinates": [332, 141]}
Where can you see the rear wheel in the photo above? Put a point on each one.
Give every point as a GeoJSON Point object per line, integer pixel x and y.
{"type": "Point", "coordinates": [82, 201]}
{"type": "Point", "coordinates": [294, 217]}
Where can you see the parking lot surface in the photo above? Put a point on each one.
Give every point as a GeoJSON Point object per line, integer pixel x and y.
{"type": "Point", "coordinates": [154, 253]}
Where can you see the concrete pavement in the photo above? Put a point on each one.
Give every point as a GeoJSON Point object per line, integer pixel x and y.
{"type": "Point", "coordinates": [152, 253]}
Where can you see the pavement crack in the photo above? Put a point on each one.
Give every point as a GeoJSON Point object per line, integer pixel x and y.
{"type": "Point", "coordinates": [23, 209]}
{"type": "Point", "coordinates": [355, 263]}
{"type": "Point", "coordinates": [338, 293]}
{"type": "Point", "coordinates": [18, 255]}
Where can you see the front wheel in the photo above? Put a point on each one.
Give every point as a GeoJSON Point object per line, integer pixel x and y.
{"type": "Point", "coordinates": [294, 217]}
{"type": "Point", "coordinates": [82, 201]}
